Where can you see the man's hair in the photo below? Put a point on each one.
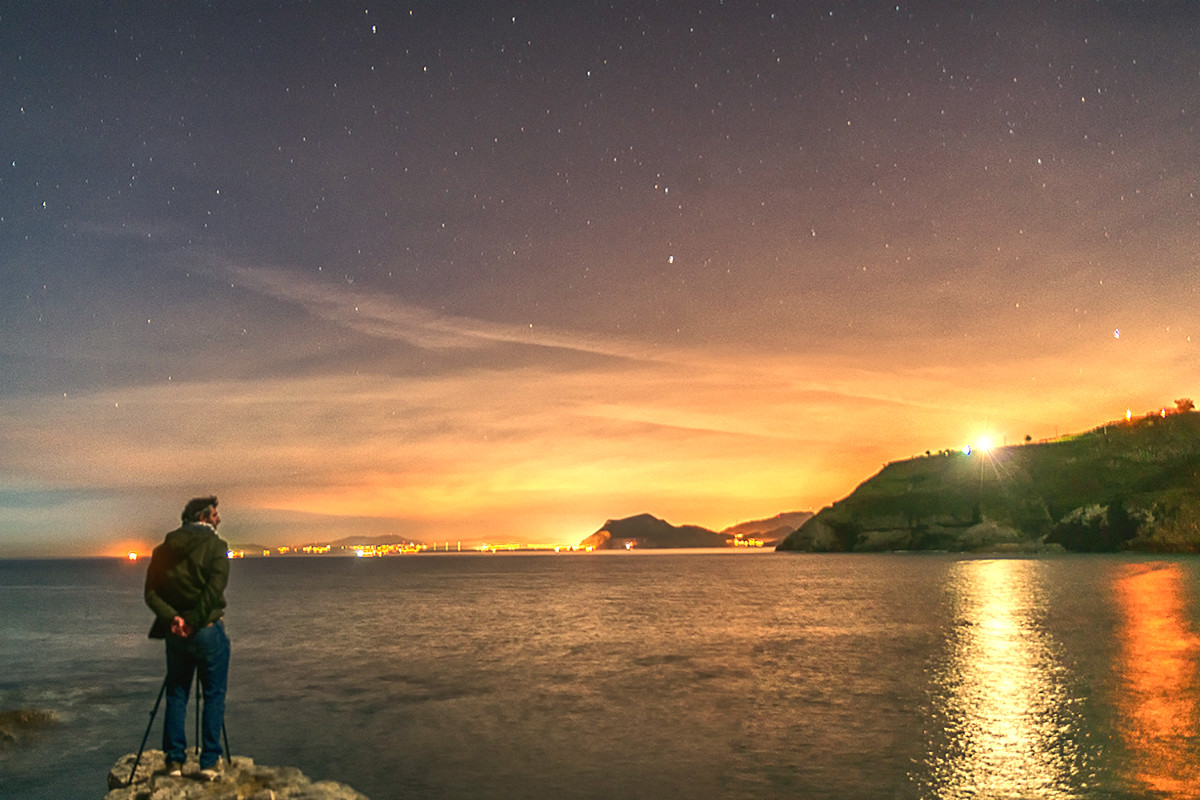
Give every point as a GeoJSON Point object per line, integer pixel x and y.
{"type": "Point", "coordinates": [196, 508]}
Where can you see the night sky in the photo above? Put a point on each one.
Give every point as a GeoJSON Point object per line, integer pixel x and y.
{"type": "Point", "coordinates": [502, 271]}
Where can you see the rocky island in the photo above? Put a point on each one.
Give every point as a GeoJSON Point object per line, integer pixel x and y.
{"type": "Point", "coordinates": [1130, 485]}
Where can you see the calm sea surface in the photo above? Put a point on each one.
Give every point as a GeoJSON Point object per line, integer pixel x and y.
{"type": "Point", "coordinates": [679, 675]}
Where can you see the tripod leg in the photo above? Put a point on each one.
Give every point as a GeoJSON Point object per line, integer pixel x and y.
{"type": "Point", "coordinates": [199, 691]}
{"type": "Point", "coordinates": [146, 736]}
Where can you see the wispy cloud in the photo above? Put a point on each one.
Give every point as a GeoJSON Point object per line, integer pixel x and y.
{"type": "Point", "coordinates": [388, 318]}
{"type": "Point", "coordinates": [681, 374]}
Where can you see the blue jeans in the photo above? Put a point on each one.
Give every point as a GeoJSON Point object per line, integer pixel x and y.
{"type": "Point", "coordinates": [207, 652]}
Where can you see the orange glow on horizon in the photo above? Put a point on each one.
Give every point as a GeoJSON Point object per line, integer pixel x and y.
{"type": "Point", "coordinates": [698, 438]}
{"type": "Point", "coordinates": [562, 484]}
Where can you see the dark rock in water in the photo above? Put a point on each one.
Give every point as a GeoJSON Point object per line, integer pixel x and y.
{"type": "Point", "coordinates": [241, 779]}
{"type": "Point", "coordinates": [20, 723]}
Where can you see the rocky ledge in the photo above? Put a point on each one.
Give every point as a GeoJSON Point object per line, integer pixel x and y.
{"type": "Point", "coordinates": [241, 779]}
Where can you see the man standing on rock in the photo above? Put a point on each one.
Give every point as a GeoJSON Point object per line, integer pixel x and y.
{"type": "Point", "coordinates": [185, 587]}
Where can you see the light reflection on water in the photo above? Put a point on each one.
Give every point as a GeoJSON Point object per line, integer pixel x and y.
{"type": "Point", "coordinates": [1157, 701]}
{"type": "Point", "coordinates": [1002, 721]}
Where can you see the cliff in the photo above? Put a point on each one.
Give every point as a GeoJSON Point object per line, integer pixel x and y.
{"type": "Point", "coordinates": [241, 779]}
{"type": "Point", "coordinates": [1122, 486]}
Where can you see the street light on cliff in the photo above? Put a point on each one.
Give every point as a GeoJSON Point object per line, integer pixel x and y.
{"type": "Point", "coordinates": [982, 447]}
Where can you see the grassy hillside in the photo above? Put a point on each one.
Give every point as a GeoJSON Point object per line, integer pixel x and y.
{"type": "Point", "coordinates": [1127, 485]}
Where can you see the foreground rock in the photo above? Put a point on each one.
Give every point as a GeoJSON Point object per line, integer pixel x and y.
{"type": "Point", "coordinates": [240, 780]}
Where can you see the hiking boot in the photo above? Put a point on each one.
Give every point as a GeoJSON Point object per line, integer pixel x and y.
{"type": "Point", "coordinates": [210, 773]}
{"type": "Point", "coordinates": [174, 769]}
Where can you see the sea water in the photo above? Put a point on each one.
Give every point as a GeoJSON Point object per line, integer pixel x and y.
{"type": "Point", "coordinates": [626, 675]}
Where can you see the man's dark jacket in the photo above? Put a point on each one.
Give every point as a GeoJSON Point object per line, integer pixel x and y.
{"type": "Point", "coordinates": [187, 577]}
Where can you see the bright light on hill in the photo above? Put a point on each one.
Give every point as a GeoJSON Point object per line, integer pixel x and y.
{"type": "Point", "coordinates": [983, 444]}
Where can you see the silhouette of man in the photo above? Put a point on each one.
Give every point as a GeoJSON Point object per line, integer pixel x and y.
{"type": "Point", "coordinates": [185, 587]}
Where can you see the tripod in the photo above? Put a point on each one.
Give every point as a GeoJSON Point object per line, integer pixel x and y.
{"type": "Point", "coordinates": [154, 711]}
